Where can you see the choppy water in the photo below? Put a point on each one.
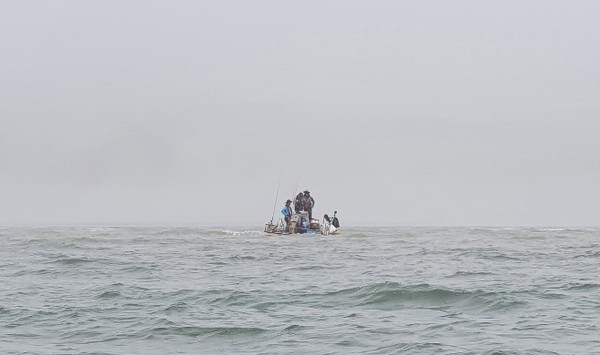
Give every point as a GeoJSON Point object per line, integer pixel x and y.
{"type": "Point", "coordinates": [368, 291]}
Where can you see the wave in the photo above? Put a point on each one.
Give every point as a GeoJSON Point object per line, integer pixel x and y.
{"type": "Point", "coordinates": [581, 286]}
{"type": "Point", "coordinates": [391, 295]}
{"type": "Point", "coordinates": [241, 233]}
{"type": "Point", "coordinates": [196, 331]}
{"type": "Point", "coordinates": [170, 232]}
{"type": "Point", "coordinates": [138, 268]}
{"type": "Point", "coordinates": [294, 328]}
{"type": "Point", "coordinates": [471, 273]}
{"type": "Point", "coordinates": [242, 257]}
{"type": "Point", "coordinates": [496, 255]}
{"type": "Point", "coordinates": [393, 292]}
{"type": "Point", "coordinates": [119, 290]}
{"type": "Point", "coordinates": [196, 231]}
{"type": "Point", "coordinates": [109, 294]}
{"type": "Point", "coordinates": [178, 306]}
{"type": "Point", "coordinates": [590, 254]}
{"type": "Point", "coordinates": [73, 260]}
{"type": "Point", "coordinates": [415, 348]}
{"type": "Point", "coordinates": [312, 267]}
{"type": "Point", "coordinates": [232, 298]}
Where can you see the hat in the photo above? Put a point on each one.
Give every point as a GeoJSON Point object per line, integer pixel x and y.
{"type": "Point", "coordinates": [306, 192]}
{"type": "Point", "coordinates": [288, 201]}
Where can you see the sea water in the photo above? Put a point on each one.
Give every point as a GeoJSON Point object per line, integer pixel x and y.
{"type": "Point", "coordinates": [238, 290]}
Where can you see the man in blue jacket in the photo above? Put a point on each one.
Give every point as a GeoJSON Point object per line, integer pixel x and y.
{"type": "Point", "coordinates": [287, 212]}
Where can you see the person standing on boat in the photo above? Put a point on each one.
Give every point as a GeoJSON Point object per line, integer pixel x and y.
{"type": "Point", "coordinates": [287, 212]}
{"type": "Point", "coordinates": [308, 203]}
{"type": "Point", "coordinates": [298, 203]}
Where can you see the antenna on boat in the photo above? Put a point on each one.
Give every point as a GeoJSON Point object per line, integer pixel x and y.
{"type": "Point", "coordinates": [276, 195]}
{"type": "Point", "coordinates": [295, 189]}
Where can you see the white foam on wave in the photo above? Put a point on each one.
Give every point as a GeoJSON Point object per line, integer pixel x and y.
{"type": "Point", "coordinates": [240, 233]}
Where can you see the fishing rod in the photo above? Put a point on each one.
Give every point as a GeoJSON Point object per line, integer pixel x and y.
{"type": "Point", "coordinates": [295, 189]}
{"type": "Point", "coordinates": [276, 196]}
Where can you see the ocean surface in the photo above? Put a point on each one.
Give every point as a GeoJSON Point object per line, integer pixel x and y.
{"type": "Point", "coordinates": [240, 291]}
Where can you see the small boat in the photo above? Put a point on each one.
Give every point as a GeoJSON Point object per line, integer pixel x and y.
{"type": "Point", "coordinates": [299, 221]}
{"type": "Point", "coordinates": [299, 225]}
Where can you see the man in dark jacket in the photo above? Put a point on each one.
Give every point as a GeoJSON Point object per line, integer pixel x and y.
{"type": "Point", "coordinates": [308, 202]}
{"type": "Point", "coordinates": [298, 203]}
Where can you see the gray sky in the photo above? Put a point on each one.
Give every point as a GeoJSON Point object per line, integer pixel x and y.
{"type": "Point", "coordinates": [391, 112]}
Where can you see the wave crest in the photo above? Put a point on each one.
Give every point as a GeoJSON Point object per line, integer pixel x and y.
{"type": "Point", "coordinates": [195, 331]}
{"type": "Point", "coordinates": [392, 295]}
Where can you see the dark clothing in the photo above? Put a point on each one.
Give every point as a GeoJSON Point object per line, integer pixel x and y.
{"type": "Point", "coordinates": [308, 202]}
{"type": "Point", "coordinates": [298, 205]}
{"type": "Point", "coordinates": [307, 205]}
{"type": "Point", "coordinates": [335, 222]}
